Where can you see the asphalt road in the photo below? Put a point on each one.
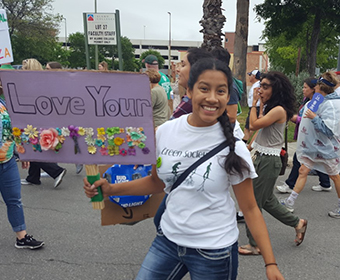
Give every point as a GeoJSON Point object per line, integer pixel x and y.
{"type": "Point", "coordinates": [78, 247]}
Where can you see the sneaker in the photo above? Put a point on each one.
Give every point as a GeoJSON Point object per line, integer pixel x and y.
{"type": "Point", "coordinates": [335, 213]}
{"type": "Point", "coordinates": [239, 218]}
{"type": "Point", "coordinates": [79, 168]}
{"type": "Point", "coordinates": [58, 180]}
{"type": "Point", "coordinates": [25, 182]}
{"type": "Point", "coordinates": [284, 188]}
{"type": "Point", "coordinates": [319, 188]}
{"type": "Point", "coordinates": [285, 203]}
{"type": "Point", "coordinates": [44, 175]}
{"type": "Point", "coordinates": [28, 242]}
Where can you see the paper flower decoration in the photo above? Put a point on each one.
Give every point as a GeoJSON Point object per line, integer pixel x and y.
{"type": "Point", "coordinates": [89, 140]}
{"type": "Point", "coordinates": [101, 137]}
{"type": "Point", "coordinates": [65, 131]}
{"type": "Point", "coordinates": [16, 131]}
{"type": "Point", "coordinates": [131, 151]}
{"type": "Point", "coordinates": [81, 131]}
{"type": "Point", "coordinates": [135, 135]}
{"type": "Point", "coordinates": [110, 131]}
{"type": "Point", "coordinates": [92, 149]}
{"type": "Point", "coordinates": [89, 131]}
{"type": "Point", "coordinates": [145, 151]}
{"type": "Point", "coordinates": [61, 138]}
{"type": "Point", "coordinates": [103, 151]}
{"type": "Point", "coordinates": [34, 141]}
{"type": "Point", "coordinates": [31, 131]}
{"type": "Point", "coordinates": [123, 152]}
{"type": "Point", "coordinates": [141, 145]}
{"type": "Point", "coordinates": [99, 143]}
{"type": "Point", "coordinates": [48, 139]}
{"type": "Point", "coordinates": [107, 141]}
{"type": "Point", "coordinates": [118, 141]}
{"type": "Point", "coordinates": [101, 130]}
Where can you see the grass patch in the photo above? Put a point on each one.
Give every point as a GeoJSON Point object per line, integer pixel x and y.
{"type": "Point", "coordinates": [243, 116]}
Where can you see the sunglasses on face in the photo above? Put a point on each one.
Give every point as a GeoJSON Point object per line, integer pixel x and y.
{"type": "Point", "coordinates": [265, 85]}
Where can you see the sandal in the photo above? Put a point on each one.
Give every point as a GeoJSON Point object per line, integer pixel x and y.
{"type": "Point", "coordinates": [301, 231]}
{"type": "Point", "coordinates": [248, 250]}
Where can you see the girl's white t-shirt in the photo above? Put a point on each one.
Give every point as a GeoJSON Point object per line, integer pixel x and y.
{"type": "Point", "coordinates": [200, 212]}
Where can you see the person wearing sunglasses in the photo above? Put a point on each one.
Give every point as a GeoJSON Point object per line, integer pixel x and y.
{"type": "Point", "coordinates": [278, 97]}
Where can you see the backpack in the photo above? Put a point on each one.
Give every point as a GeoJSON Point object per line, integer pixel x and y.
{"type": "Point", "coordinates": [239, 87]}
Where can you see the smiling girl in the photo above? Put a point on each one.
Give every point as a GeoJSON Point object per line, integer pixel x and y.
{"type": "Point", "coordinates": [199, 231]}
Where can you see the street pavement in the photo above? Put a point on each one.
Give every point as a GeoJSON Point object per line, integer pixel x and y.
{"type": "Point", "coordinates": [78, 247]}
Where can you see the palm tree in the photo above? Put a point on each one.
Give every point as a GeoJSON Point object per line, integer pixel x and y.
{"type": "Point", "coordinates": [212, 23]}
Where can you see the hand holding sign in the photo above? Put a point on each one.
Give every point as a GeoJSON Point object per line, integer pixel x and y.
{"type": "Point", "coordinates": [314, 104]}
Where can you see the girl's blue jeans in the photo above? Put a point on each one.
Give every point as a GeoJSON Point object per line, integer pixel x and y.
{"type": "Point", "coordinates": [10, 188]}
{"type": "Point", "coordinates": [168, 261]}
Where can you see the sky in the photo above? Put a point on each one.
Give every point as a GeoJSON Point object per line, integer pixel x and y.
{"type": "Point", "coordinates": [149, 19]}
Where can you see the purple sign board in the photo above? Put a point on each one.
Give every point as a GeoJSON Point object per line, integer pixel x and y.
{"type": "Point", "coordinates": [81, 116]}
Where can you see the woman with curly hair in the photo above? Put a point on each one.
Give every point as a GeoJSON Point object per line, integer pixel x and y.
{"type": "Point", "coordinates": [277, 94]}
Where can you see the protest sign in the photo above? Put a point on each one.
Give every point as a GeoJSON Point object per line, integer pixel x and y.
{"type": "Point", "coordinates": [81, 116]}
{"type": "Point", "coordinates": [314, 104]}
{"type": "Point", "coordinates": [6, 55]}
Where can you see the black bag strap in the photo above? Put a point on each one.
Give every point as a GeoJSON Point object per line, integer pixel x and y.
{"type": "Point", "coordinates": [286, 137]}
{"type": "Point", "coordinates": [197, 163]}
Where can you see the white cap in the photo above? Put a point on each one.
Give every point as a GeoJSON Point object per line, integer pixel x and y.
{"type": "Point", "coordinates": [254, 72]}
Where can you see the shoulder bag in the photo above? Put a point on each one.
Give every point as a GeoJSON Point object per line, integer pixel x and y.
{"type": "Point", "coordinates": [284, 153]}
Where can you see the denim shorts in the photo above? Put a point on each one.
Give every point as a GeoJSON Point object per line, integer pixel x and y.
{"type": "Point", "coordinates": [168, 261]}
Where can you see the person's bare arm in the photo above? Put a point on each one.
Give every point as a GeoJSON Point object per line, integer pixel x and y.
{"type": "Point", "coordinates": [143, 186]}
{"type": "Point", "coordinates": [232, 112]}
{"type": "Point", "coordinates": [246, 200]}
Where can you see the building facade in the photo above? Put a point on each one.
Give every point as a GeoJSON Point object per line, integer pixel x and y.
{"type": "Point", "coordinates": [256, 56]}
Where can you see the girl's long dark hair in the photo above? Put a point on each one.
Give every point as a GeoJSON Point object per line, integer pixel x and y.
{"type": "Point", "coordinates": [233, 163]}
{"type": "Point", "coordinates": [282, 93]}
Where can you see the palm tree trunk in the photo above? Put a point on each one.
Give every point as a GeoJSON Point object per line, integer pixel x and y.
{"type": "Point", "coordinates": [212, 23]}
{"type": "Point", "coordinates": [314, 40]}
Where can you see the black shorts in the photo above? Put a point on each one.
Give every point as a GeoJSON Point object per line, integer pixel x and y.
{"type": "Point", "coordinates": [247, 120]}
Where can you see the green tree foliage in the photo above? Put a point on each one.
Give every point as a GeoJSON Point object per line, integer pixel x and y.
{"type": "Point", "coordinates": [32, 28]}
{"type": "Point", "coordinates": [283, 51]}
{"type": "Point", "coordinates": [129, 61]}
{"type": "Point", "coordinates": [106, 53]}
{"type": "Point", "coordinates": [61, 54]}
{"type": "Point", "coordinates": [155, 53]}
{"type": "Point", "coordinates": [77, 56]}
{"type": "Point", "coordinates": [312, 25]}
